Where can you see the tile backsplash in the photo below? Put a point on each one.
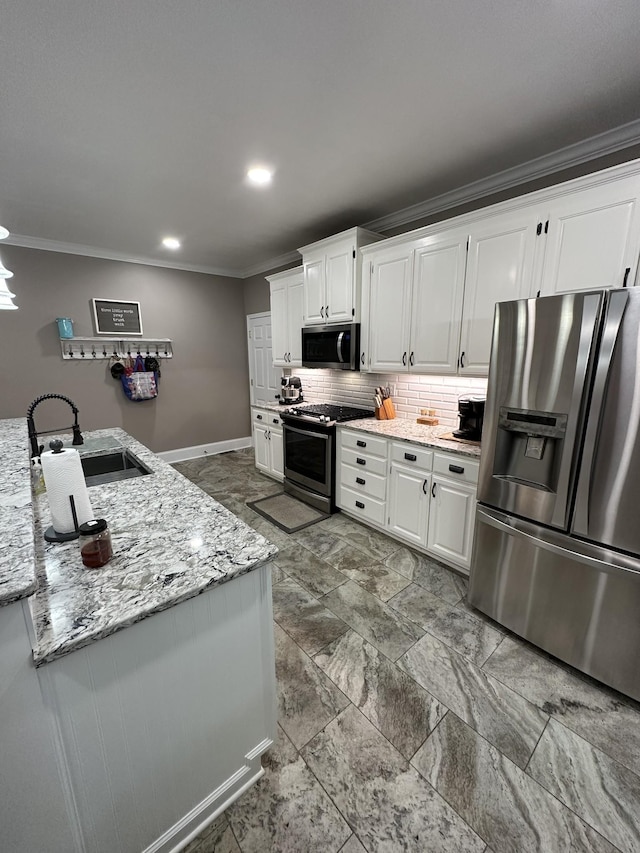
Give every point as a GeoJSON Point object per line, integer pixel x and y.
{"type": "Point", "coordinates": [410, 392]}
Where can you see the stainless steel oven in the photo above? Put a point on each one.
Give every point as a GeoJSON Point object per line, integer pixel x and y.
{"type": "Point", "coordinates": [309, 434]}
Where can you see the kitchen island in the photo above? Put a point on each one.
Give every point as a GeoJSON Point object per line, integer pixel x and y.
{"type": "Point", "coordinates": [138, 698]}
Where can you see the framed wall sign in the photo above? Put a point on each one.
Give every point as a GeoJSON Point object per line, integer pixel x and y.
{"type": "Point", "coordinates": [115, 317]}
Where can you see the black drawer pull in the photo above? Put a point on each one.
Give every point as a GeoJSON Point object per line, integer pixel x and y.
{"type": "Point", "coordinates": [360, 481]}
{"type": "Point", "coordinates": [276, 421]}
{"type": "Point", "coordinates": [410, 456]}
{"type": "Point", "coordinates": [361, 461]}
{"type": "Point", "coordinates": [359, 504]}
{"type": "Point", "coordinates": [361, 443]}
{"type": "Point", "coordinates": [456, 469]}
{"type": "Point", "coordinates": [259, 417]}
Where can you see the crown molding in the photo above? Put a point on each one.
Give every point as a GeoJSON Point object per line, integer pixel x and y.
{"type": "Point", "coordinates": [27, 242]}
{"type": "Point", "coordinates": [274, 263]}
{"type": "Point", "coordinates": [564, 158]}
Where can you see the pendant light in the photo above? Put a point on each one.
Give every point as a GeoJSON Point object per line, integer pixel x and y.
{"type": "Point", "coordinates": [6, 297]}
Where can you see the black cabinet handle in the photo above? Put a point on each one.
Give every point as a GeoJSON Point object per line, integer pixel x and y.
{"type": "Point", "coordinates": [411, 362]}
{"type": "Point", "coordinates": [326, 312]}
{"type": "Point", "coordinates": [424, 487]}
{"type": "Point", "coordinates": [361, 443]}
{"type": "Point", "coordinates": [360, 481]}
{"type": "Point", "coordinates": [462, 359]}
{"type": "Point", "coordinates": [359, 504]}
{"type": "Point", "coordinates": [322, 311]}
{"type": "Point", "coordinates": [410, 456]}
{"type": "Point", "coordinates": [404, 358]}
{"type": "Point", "coordinates": [259, 417]}
{"type": "Point", "coordinates": [361, 461]}
{"type": "Point", "coordinates": [362, 359]}
{"type": "Point", "coordinates": [626, 276]}
{"type": "Point", "coordinates": [433, 490]}
{"type": "Point", "coordinates": [456, 469]}
{"type": "Point", "coordinates": [276, 421]}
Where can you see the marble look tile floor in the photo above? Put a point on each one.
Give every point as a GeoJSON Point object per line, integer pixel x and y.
{"type": "Point", "coordinates": [408, 721]}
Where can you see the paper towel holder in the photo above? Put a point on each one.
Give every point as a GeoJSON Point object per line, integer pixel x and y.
{"type": "Point", "coordinates": [51, 534]}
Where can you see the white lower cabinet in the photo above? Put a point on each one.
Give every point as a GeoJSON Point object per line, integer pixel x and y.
{"type": "Point", "coordinates": [409, 504]}
{"type": "Point", "coordinates": [417, 494]}
{"type": "Point", "coordinates": [268, 443]}
{"type": "Point", "coordinates": [451, 520]}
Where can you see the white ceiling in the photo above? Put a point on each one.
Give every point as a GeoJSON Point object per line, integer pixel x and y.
{"type": "Point", "coordinates": [126, 120]}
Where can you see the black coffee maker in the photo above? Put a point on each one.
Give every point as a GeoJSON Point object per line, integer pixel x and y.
{"type": "Point", "coordinates": [471, 414]}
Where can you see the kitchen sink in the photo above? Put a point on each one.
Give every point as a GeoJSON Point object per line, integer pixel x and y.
{"type": "Point", "coordinates": [112, 467]}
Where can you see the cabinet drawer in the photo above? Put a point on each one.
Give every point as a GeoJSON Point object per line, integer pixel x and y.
{"type": "Point", "coordinates": [261, 416]}
{"type": "Point", "coordinates": [411, 455]}
{"type": "Point", "coordinates": [366, 442]}
{"type": "Point", "coordinates": [456, 467]}
{"type": "Point", "coordinates": [363, 506]}
{"type": "Point", "coordinates": [363, 482]}
{"type": "Point", "coordinates": [364, 461]}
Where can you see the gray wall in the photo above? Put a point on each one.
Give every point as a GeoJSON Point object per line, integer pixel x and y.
{"type": "Point", "coordinates": [204, 389]}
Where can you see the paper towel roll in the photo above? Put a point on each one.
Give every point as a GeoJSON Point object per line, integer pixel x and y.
{"type": "Point", "coordinates": [63, 476]}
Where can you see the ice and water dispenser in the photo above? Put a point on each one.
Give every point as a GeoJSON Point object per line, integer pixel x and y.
{"type": "Point", "coordinates": [529, 447]}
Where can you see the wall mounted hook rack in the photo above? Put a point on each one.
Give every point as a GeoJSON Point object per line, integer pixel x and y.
{"type": "Point", "coordinates": [99, 349]}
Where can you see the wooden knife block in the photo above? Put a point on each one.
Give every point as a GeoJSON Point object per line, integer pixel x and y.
{"type": "Point", "coordinates": [387, 411]}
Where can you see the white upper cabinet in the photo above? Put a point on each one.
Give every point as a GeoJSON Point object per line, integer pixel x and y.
{"type": "Point", "coordinates": [500, 267]}
{"type": "Point", "coordinates": [286, 317]}
{"type": "Point", "coordinates": [436, 304]}
{"type": "Point", "coordinates": [593, 238]}
{"type": "Point", "coordinates": [389, 311]}
{"type": "Point", "coordinates": [332, 270]}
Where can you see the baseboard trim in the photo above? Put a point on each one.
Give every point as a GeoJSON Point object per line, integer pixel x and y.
{"type": "Point", "coordinates": [182, 454]}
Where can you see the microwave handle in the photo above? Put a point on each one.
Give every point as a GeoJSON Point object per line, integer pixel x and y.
{"type": "Point", "coordinates": [339, 347]}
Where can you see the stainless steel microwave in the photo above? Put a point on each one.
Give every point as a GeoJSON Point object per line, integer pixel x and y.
{"type": "Point", "coordinates": [337, 347]}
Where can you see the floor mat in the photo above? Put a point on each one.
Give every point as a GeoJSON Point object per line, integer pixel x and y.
{"type": "Point", "coordinates": [286, 512]}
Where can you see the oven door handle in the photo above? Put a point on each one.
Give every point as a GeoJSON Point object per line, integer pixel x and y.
{"type": "Point", "coordinates": [339, 347]}
{"type": "Point", "coordinates": [307, 432]}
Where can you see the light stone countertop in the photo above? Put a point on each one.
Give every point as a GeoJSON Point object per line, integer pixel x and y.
{"type": "Point", "coordinates": [17, 564]}
{"type": "Point", "coordinates": [171, 541]}
{"type": "Point", "coordinates": [415, 433]}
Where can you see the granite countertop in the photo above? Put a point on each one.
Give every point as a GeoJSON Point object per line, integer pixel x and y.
{"type": "Point", "coordinates": [17, 564]}
{"type": "Point", "coordinates": [415, 433]}
{"type": "Point", "coordinates": [171, 541]}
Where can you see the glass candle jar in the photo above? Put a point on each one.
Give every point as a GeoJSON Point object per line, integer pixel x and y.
{"type": "Point", "coordinates": [95, 543]}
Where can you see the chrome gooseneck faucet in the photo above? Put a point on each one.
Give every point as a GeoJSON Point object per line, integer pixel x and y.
{"type": "Point", "coordinates": [33, 434]}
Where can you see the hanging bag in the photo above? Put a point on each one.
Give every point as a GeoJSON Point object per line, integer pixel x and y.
{"type": "Point", "coordinates": [140, 384]}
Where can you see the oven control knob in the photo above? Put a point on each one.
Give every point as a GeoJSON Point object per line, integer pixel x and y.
{"type": "Point", "coordinates": [324, 418]}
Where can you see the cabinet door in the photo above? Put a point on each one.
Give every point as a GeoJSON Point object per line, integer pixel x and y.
{"type": "Point", "coordinates": [279, 323]}
{"type": "Point", "coordinates": [436, 305]}
{"type": "Point", "coordinates": [277, 452]}
{"type": "Point", "coordinates": [451, 521]}
{"type": "Point", "coordinates": [593, 238]}
{"type": "Point", "coordinates": [499, 268]}
{"type": "Point", "coordinates": [295, 296]}
{"type": "Point", "coordinates": [389, 310]}
{"type": "Point", "coordinates": [409, 504]}
{"type": "Point", "coordinates": [261, 447]}
{"type": "Point", "coordinates": [340, 291]}
{"type": "Point", "coordinates": [314, 290]}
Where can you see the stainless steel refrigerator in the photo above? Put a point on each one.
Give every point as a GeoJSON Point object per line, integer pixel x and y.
{"type": "Point", "coordinates": [556, 554]}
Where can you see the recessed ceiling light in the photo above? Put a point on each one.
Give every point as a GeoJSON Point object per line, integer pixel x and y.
{"type": "Point", "coordinates": [171, 243]}
{"type": "Point", "coordinates": [259, 175]}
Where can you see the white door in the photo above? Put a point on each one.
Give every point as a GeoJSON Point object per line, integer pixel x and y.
{"type": "Point", "coordinates": [314, 290]}
{"type": "Point", "coordinates": [295, 298]}
{"type": "Point", "coordinates": [409, 504]}
{"type": "Point", "coordinates": [451, 520]}
{"type": "Point", "coordinates": [340, 292]}
{"type": "Point", "coordinates": [264, 378]}
{"type": "Point", "coordinates": [279, 323]}
{"type": "Point", "coordinates": [593, 238]}
{"type": "Point", "coordinates": [499, 267]}
{"type": "Point", "coordinates": [277, 452]}
{"type": "Point", "coordinates": [261, 447]}
{"type": "Point", "coordinates": [389, 310]}
{"type": "Point", "coordinates": [438, 286]}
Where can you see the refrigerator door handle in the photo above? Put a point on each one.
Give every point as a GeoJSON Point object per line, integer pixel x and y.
{"type": "Point", "coordinates": [530, 532]}
{"type": "Point", "coordinates": [613, 320]}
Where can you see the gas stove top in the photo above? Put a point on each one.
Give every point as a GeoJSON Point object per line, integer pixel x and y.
{"type": "Point", "coordinates": [328, 413]}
